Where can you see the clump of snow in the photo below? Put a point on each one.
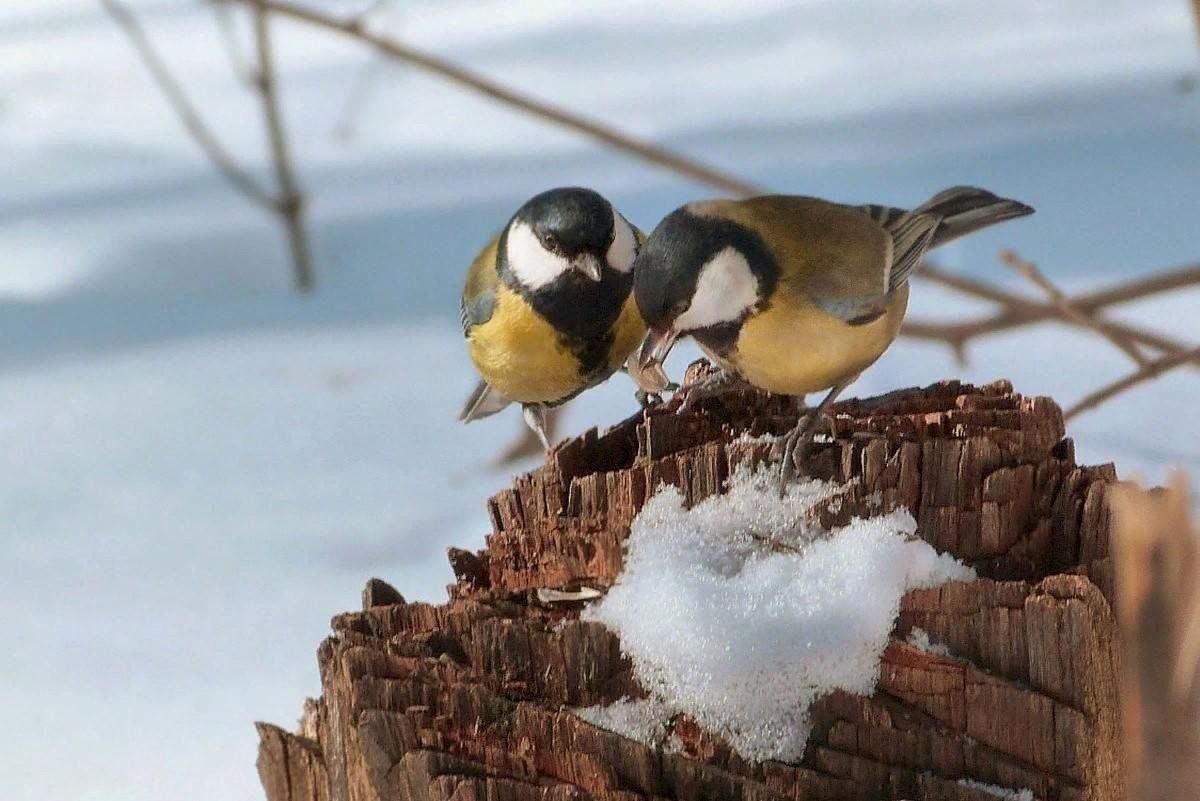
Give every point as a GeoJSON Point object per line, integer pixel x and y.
{"type": "Point", "coordinates": [999, 792]}
{"type": "Point", "coordinates": [919, 638]}
{"type": "Point", "coordinates": [747, 438]}
{"type": "Point", "coordinates": [742, 610]}
{"type": "Point", "coordinates": [642, 719]}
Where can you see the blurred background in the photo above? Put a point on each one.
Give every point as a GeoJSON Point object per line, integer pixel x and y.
{"type": "Point", "coordinates": [200, 463]}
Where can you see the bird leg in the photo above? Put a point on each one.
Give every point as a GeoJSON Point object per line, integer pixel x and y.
{"type": "Point", "coordinates": [535, 418]}
{"type": "Point", "coordinates": [795, 444]}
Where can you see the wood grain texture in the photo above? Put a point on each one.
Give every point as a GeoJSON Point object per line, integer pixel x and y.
{"type": "Point", "coordinates": [471, 699]}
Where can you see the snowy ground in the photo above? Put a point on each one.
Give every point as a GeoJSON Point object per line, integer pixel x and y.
{"type": "Point", "coordinates": [197, 467]}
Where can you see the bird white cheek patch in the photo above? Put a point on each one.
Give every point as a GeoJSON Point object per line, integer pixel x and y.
{"type": "Point", "coordinates": [533, 265]}
{"type": "Point", "coordinates": [725, 289]}
{"type": "Point", "coordinates": [623, 249]}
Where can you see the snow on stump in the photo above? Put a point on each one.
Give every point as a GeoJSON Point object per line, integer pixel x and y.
{"type": "Point", "coordinates": [927, 619]}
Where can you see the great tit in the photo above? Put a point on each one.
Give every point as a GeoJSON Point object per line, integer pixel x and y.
{"type": "Point", "coordinates": [793, 294]}
{"type": "Point", "coordinates": [547, 309]}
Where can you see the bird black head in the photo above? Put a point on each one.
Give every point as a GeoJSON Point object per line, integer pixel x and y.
{"type": "Point", "coordinates": [570, 255]}
{"type": "Point", "coordinates": [564, 232]}
{"type": "Point", "coordinates": [699, 273]}
{"type": "Point", "coordinates": [569, 220]}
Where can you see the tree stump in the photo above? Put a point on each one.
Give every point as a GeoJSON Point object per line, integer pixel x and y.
{"type": "Point", "coordinates": [473, 699]}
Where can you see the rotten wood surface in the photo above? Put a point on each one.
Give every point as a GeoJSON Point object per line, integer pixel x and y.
{"type": "Point", "coordinates": [1158, 607]}
{"type": "Point", "coordinates": [472, 699]}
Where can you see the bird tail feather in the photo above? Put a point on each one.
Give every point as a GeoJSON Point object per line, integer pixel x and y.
{"type": "Point", "coordinates": [484, 401]}
{"type": "Point", "coordinates": [965, 209]}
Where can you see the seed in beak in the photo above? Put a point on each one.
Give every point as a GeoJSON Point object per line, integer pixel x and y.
{"type": "Point", "coordinates": [652, 379]}
{"type": "Point", "coordinates": [656, 347]}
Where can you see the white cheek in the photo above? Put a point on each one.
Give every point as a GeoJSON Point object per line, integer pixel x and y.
{"type": "Point", "coordinates": [533, 265]}
{"type": "Point", "coordinates": [623, 249]}
{"type": "Point", "coordinates": [725, 289]}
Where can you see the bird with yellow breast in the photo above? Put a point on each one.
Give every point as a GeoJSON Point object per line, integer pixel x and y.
{"type": "Point", "coordinates": [547, 309]}
{"type": "Point", "coordinates": [793, 294]}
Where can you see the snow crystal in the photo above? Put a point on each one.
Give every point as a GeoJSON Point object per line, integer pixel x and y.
{"type": "Point", "coordinates": [642, 719]}
{"type": "Point", "coordinates": [919, 638]}
{"type": "Point", "coordinates": [746, 438]}
{"type": "Point", "coordinates": [997, 791]}
{"type": "Point", "coordinates": [743, 610]}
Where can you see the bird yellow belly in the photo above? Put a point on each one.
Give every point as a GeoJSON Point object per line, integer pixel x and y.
{"type": "Point", "coordinates": [794, 347]}
{"type": "Point", "coordinates": [521, 355]}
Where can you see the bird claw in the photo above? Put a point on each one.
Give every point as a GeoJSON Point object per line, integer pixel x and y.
{"type": "Point", "coordinates": [719, 383]}
{"type": "Point", "coordinates": [793, 452]}
{"type": "Point", "coordinates": [647, 399]}
{"type": "Point", "coordinates": [797, 445]}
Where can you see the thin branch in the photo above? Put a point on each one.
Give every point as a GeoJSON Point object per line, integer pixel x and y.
{"type": "Point", "coordinates": [1166, 281]}
{"type": "Point", "coordinates": [291, 202]}
{"type": "Point", "coordinates": [1139, 376]}
{"type": "Point", "coordinates": [185, 110]}
{"type": "Point", "coordinates": [1019, 311]}
{"type": "Point", "coordinates": [1068, 309]}
{"type": "Point", "coordinates": [641, 148]}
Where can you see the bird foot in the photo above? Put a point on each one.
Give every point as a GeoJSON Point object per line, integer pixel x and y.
{"type": "Point", "coordinates": [647, 399]}
{"type": "Point", "coordinates": [722, 382]}
{"type": "Point", "coordinates": [797, 443]}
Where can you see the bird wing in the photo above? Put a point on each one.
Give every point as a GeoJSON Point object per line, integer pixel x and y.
{"type": "Point", "coordinates": [946, 216]}
{"type": "Point", "coordinates": [479, 294]}
{"type": "Point", "coordinates": [837, 256]}
{"type": "Point", "coordinates": [912, 236]}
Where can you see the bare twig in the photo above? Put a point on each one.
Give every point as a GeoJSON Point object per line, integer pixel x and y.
{"type": "Point", "coordinates": [1018, 311]}
{"type": "Point", "coordinates": [290, 203]}
{"type": "Point", "coordinates": [1166, 281]}
{"type": "Point", "coordinates": [643, 149]}
{"type": "Point", "coordinates": [1139, 376]}
{"type": "Point", "coordinates": [1068, 309]}
{"type": "Point", "coordinates": [185, 110]}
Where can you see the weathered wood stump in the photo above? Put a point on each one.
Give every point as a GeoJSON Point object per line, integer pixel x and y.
{"type": "Point", "coordinates": [472, 699]}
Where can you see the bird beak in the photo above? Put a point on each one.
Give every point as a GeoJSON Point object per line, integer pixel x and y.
{"type": "Point", "coordinates": [588, 264]}
{"type": "Point", "coordinates": [656, 347]}
{"type": "Point", "coordinates": [649, 374]}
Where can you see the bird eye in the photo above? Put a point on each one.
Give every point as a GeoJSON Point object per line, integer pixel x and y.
{"type": "Point", "coordinates": [680, 307]}
{"type": "Point", "coordinates": [548, 241]}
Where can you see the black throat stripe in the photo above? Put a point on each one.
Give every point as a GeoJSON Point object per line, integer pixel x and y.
{"type": "Point", "coordinates": [581, 310]}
